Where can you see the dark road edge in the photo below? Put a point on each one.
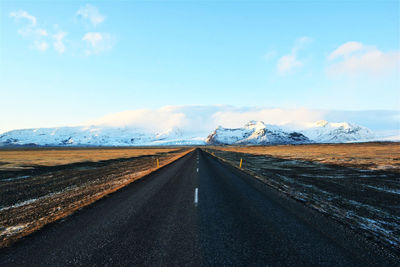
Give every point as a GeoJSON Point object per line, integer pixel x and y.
{"type": "Point", "coordinates": [372, 250]}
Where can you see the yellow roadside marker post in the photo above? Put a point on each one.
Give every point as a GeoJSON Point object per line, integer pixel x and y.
{"type": "Point", "coordinates": [158, 163]}
{"type": "Point", "coordinates": [241, 161]}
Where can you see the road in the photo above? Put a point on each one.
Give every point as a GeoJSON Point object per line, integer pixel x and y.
{"type": "Point", "coordinates": [196, 211]}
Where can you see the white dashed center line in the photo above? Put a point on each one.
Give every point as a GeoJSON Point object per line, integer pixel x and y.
{"type": "Point", "coordinates": [196, 196]}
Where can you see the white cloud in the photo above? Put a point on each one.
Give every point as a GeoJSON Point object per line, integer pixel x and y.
{"type": "Point", "coordinates": [32, 32]}
{"type": "Point", "coordinates": [299, 117]}
{"type": "Point", "coordinates": [38, 36]}
{"type": "Point", "coordinates": [345, 49]}
{"type": "Point", "coordinates": [26, 32]}
{"type": "Point", "coordinates": [25, 15]}
{"type": "Point", "coordinates": [204, 119]}
{"type": "Point", "coordinates": [289, 62]}
{"type": "Point", "coordinates": [157, 119]}
{"type": "Point", "coordinates": [41, 32]}
{"type": "Point", "coordinates": [41, 45]}
{"type": "Point", "coordinates": [58, 42]}
{"type": "Point", "coordinates": [94, 38]}
{"type": "Point", "coordinates": [90, 13]}
{"type": "Point", "coordinates": [97, 42]}
{"type": "Point", "coordinates": [353, 58]}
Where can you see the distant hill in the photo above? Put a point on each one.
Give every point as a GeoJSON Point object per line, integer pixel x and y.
{"type": "Point", "coordinates": [254, 133]}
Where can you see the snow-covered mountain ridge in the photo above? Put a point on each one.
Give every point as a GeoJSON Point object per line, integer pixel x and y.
{"type": "Point", "coordinates": [96, 136]}
{"type": "Point", "coordinates": [254, 133]}
{"type": "Point", "coordinates": [330, 132]}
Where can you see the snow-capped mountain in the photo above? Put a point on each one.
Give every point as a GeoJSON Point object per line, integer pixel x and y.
{"type": "Point", "coordinates": [255, 132]}
{"type": "Point", "coordinates": [95, 136]}
{"type": "Point", "coordinates": [175, 136]}
{"type": "Point", "coordinates": [342, 132]}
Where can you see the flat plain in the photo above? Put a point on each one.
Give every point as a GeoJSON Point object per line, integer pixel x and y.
{"type": "Point", "coordinates": [29, 158]}
{"type": "Point", "coordinates": [372, 156]}
{"type": "Point", "coordinates": [358, 185]}
{"type": "Point", "coordinates": [235, 220]}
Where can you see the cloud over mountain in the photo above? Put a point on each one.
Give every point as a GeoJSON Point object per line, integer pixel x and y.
{"type": "Point", "coordinates": [204, 118]}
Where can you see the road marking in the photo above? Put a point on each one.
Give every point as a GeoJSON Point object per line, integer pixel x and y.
{"type": "Point", "coordinates": [197, 169]}
{"type": "Point", "coordinates": [196, 196]}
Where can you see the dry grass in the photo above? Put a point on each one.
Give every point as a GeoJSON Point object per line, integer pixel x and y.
{"type": "Point", "coordinates": [362, 155]}
{"type": "Point", "coordinates": [28, 158]}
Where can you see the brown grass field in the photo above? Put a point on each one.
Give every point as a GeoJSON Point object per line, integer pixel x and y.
{"type": "Point", "coordinates": [373, 156]}
{"type": "Point", "coordinates": [28, 158]}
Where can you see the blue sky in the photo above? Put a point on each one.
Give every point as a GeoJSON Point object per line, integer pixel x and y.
{"type": "Point", "coordinates": [65, 63]}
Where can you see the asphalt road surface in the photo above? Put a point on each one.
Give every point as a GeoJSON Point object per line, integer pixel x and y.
{"type": "Point", "coordinates": [196, 211]}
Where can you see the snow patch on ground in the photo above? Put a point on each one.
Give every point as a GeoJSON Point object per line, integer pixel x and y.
{"type": "Point", "coordinates": [12, 230]}
{"type": "Point", "coordinates": [16, 178]}
{"type": "Point", "coordinates": [393, 191]}
{"type": "Point", "coordinates": [30, 201]}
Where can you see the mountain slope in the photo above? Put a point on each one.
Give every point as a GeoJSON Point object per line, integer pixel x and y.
{"type": "Point", "coordinates": [255, 132]}
{"type": "Point", "coordinates": [343, 132]}
{"type": "Point", "coordinates": [94, 136]}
